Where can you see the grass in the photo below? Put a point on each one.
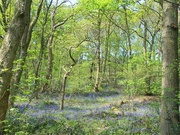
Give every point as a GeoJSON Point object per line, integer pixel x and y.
{"type": "Point", "coordinates": [86, 114]}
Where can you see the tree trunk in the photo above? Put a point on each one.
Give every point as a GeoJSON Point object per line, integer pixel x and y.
{"type": "Point", "coordinates": [128, 32]}
{"type": "Point", "coordinates": [63, 90]}
{"type": "Point", "coordinates": [43, 46]}
{"type": "Point", "coordinates": [54, 26]}
{"type": "Point", "coordinates": [64, 87]}
{"type": "Point", "coordinates": [98, 61]}
{"type": "Point", "coordinates": [50, 63]}
{"type": "Point", "coordinates": [145, 38]}
{"type": "Point", "coordinates": [147, 79]}
{"type": "Point", "coordinates": [106, 48]}
{"type": "Point", "coordinates": [8, 53]}
{"type": "Point", "coordinates": [25, 41]}
{"type": "Point", "coordinates": [50, 53]}
{"type": "Point", "coordinates": [170, 79]}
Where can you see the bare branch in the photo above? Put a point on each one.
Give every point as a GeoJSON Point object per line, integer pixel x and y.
{"type": "Point", "coordinates": [70, 51]}
{"type": "Point", "coordinates": [113, 22]}
{"type": "Point", "coordinates": [141, 36]}
{"type": "Point", "coordinates": [61, 23]}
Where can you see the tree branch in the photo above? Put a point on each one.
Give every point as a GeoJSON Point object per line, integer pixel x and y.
{"type": "Point", "coordinates": [61, 23]}
{"type": "Point", "coordinates": [70, 52]}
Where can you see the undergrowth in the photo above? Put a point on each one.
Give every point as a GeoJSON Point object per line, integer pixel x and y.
{"type": "Point", "coordinates": [91, 115]}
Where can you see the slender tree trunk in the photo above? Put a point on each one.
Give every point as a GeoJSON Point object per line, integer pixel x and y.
{"type": "Point", "coordinates": [50, 50]}
{"type": "Point", "coordinates": [8, 52]}
{"type": "Point", "coordinates": [106, 48]}
{"type": "Point", "coordinates": [43, 46]}
{"type": "Point", "coordinates": [68, 73]}
{"type": "Point", "coordinates": [91, 71]}
{"type": "Point", "coordinates": [147, 79]}
{"type": "Point", "coordinates": [64, 87]}
{"type": "Point", "coordinates": [98, 61]}
{"type": "Point", "coordinates": [115, 70]}
{"type": "Point", "coordinates": [145, 38]}
{"type": "Point", "coordinates": [151, 47]}
{"type": "Point", "coordinates": [128, 38]}
{"type": "Point", "coordinates": [54, 26]}
{"type": "Point", "coordinates": [128, 32]}
{"type": "Point", "coordinates": [50, 63]}
{"type": "Point", "coordinates": [50, 53]}
{"type": "Point", "coordinates": [170, 79]}
{"type": "Point", "coordinates": [38, 66]}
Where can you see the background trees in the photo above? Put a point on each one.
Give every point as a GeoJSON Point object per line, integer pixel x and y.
{"type": "Point", "coordinates": [121, 48]}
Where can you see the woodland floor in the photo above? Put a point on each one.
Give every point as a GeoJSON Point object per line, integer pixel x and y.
{"type": "Point", "coordinates": [103, 113]}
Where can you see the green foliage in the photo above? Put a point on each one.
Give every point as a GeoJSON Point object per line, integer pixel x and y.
{"type": "Point", "coordinates": [137, 75]}
{"type": "Point", "coordinates": [81, 25]}
{"type": "Point", "coordinates": [141, 76]}
{"type": "Point", "coordinates": [95, 4]}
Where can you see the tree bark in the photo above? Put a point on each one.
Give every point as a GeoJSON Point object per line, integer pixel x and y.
{"type": "Point", "coordinates": [170, 79]}
{"type": "Point", "coordinates": [8, 52]}
{"type": "Point", "coordinates": [145, 46]}
{"type": "Point", "coordinates": [43, 46]}
{"type": "Point", "coordinates": [64, 86]}
{"type": "Point", "coordinates": [50, 50]}
{"type": "Point", "coordinates": [106, 50]}
{"type": "Point", "coordinates": [98, 61]}
{"type": "Point", "coordinates": [25, 41]}
{"type": "Point", "coordinates": [128, 32]}
{"type": "Point", "coordinates": [63, 90]}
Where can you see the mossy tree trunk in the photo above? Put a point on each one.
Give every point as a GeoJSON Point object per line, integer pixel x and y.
{"type": "Point", "coordinates": [170, 78]}
{"type": "Point", "coordinates": [25, 42]}
{"type": "Point", "coordinates": [8, 52]}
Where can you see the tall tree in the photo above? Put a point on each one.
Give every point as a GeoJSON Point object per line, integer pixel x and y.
{"type": "Point", "coordinates": [8, 52]}
{"type": "Point", "coordinates": [47, 6]}
{"type": "Point", "coordinates": [170, 78]}
{"type": "Point", "coordinates": [98, 52]}
{"type": "Point", "coordinates": [54, 26]}
{"type": "Point", "coordinates": [25, 42]}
